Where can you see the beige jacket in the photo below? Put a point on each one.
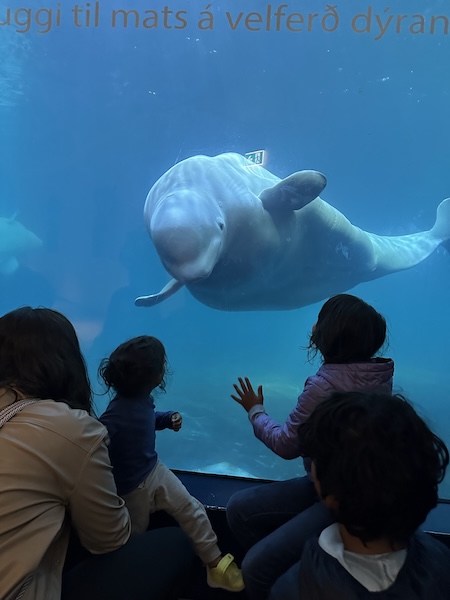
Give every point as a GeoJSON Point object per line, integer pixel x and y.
{"type": "Point", "coordinates": [54, 469]}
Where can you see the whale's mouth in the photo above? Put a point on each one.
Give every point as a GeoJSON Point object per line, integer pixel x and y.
{"type": "Point", "coordinates": [192, 265]}
{"type": "Point", "coordinates": [192, 271]}
{"type": "Point", "coordinates": [192, 279]}
{"type": "Point", "coordinates": [188, 275]}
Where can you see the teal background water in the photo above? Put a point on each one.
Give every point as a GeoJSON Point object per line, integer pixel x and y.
{"type": "Point", "coordinates": [90, 117]}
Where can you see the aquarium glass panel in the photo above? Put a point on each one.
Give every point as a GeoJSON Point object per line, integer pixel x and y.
{"type": "Point", "coordinates": [207, 110]}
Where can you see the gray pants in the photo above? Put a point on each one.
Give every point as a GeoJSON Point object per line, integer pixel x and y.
{"type": "Point", "coordinates": [162, 490]}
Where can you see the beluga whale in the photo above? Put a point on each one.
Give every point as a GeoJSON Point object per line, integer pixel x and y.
{"type": "Point", "coordinates": [239, 238]}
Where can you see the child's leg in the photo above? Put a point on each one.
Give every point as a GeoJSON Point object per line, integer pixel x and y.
{"type": "Point", "coordinates": [172, 497]}
{"type": "Point", "coordinates": [270, 558]}
{"type": "Point", "coordinates": [141, 503]}
{"type": "Point", "coordinates": [256, 512]}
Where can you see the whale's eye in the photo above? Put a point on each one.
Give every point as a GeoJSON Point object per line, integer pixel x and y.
{"type": "Point", "coordinates": [221, 225]}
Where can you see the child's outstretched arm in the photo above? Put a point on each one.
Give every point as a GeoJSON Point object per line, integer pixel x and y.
{"type": "Point", "coordinates": [281, 439]}
{"type": "Point", "coordinates": [164, 420]}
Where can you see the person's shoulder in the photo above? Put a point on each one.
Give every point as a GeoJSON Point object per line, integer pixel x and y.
{"type": "Point", "coordinates": [320, 381]}
{"type": "Point", "coordinates": [373, 365]}
{"type": "Point", "coordinates": [427, 565]}
{"type": "Point", "coordinates": [340, 375]}
{"type": "Point", "coordinates": [426, 543]}
{"type": "Point", "coordinates": [74, 425]}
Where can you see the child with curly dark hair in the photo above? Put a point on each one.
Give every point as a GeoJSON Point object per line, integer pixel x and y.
{"type": "Point", "coordinates": [377, 466]}
{"type": "Point", "coordinates": [133, 371]}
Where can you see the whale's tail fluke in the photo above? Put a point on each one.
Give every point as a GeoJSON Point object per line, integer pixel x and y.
{"type": "Point", "coordinates": [441, 228]}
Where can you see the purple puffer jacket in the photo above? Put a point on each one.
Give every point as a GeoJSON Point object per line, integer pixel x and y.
{"type": "Point", "coordinates": [373, 376]}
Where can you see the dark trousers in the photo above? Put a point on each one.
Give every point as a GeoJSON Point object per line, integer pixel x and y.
{"type": "Point", "coordinates": [151, 566]}
{"type": "Point", "coordinates": [272, 522]}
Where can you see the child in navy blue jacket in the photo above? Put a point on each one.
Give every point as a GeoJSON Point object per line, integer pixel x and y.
{"type": "Point", "coordinates": [133, 371]}
{"type": "Point", "coordinates": [377, 466]}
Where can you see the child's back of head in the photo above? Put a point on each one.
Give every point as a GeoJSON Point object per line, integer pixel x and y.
{"type": "Point", "coordinates": [347, 330]}
{"type": "Point", "coordinates": [378, 460]}
{"type": "Point", "coordinates": [135, 367]}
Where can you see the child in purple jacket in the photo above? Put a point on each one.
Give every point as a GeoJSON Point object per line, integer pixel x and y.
{"type": "Point", "coordinates": [133, 371]}
{"type": "Point", "coordinates": [273, 521]}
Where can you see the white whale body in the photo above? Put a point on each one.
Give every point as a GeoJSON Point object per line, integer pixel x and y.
{"type": "Point", "coordinates": [240, 238]}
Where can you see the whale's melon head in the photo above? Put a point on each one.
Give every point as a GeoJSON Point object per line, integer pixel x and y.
{"type": "Point", "coordinates": [188, 234]}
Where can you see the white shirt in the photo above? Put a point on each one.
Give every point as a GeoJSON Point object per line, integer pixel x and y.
{"type": "Point", "coordinates": [376, 572]}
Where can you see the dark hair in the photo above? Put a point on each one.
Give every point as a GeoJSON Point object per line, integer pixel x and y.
{"type": "Point", "coordinates": [380, 461]}
{"type": "Point", "coordinates": [40, 357]}
{"type": "Point", "coordinates": [135, 367]}
{"type": "Point", "coordinates": [347, 330]}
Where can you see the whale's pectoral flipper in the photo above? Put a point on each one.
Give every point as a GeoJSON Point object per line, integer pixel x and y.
{"type": "Point", "coordinates": [168, 290]}
{"type": "Point", "coordinates": [294, 192]}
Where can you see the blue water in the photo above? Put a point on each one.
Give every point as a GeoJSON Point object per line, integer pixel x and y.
{"type": "Point", "coordinates": [91, 117]}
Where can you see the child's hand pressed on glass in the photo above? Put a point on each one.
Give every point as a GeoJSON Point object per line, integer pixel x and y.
{"type": "Point", "coordinates": [246, 396]}
{"type": "Point", "coordinates": [177, 421]}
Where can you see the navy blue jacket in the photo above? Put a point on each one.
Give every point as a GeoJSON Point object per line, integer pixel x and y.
{"type": "Point", "coordinates": [131, 425]}
{"type": "Point", "coordinates": [425, 575]}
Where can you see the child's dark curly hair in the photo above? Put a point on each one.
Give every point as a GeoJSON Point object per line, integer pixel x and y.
{"type": "Point", "coordinates": [135, 367]}
{"type": "Point", "coordinates": [378, 459]}
{"type": "Point", "coordinates": [347, 330]}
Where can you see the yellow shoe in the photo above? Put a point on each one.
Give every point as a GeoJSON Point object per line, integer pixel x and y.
{"type": "Point", "coordinates": [226, 575]}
